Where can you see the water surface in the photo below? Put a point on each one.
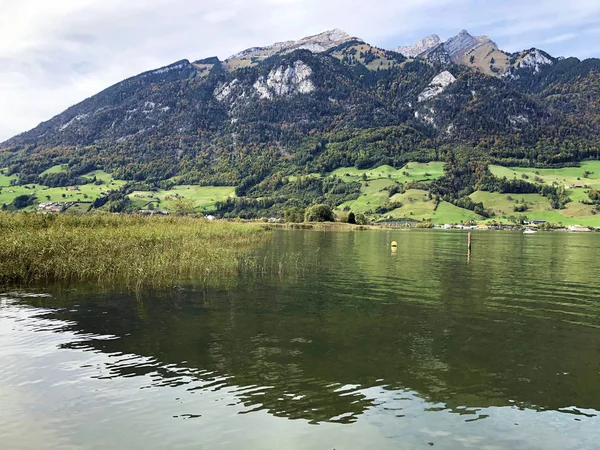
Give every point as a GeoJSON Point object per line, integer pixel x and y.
{"type": "Point", "coordinates": [339, 343]}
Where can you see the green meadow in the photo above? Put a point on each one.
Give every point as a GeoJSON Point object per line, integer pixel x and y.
{"type": "Point", "coordinates": [201, 197]}
{"type": "Point", "coordinates": [84, 193]}
{"type": "Point", "coordinates": [587, 175]}
{"type": "Point", "coordinates": [55, 169]}
{"type": "Point", "coordinates": [417, 206]}
{"type": "Point", "coordinates": [567, 176]}
{"type": "Point", "coordinates": [5, 180]}
{"type": "Point", "coordinates": [408, 173]}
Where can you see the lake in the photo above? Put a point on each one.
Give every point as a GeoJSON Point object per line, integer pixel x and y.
{"type": "Point", "coordinates": [337, 343]}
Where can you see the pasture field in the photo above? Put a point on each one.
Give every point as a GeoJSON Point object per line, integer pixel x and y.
{"type": "Point", "coordinates": [83, 193]}
{"type": "Point", "coordinates": [55, 169]}
{"type": "Point", "coordinates": [5, 179]}
{"type": "Point", "coordinates": [411, 172]}
{"type": "Point", "coordinates": [566, 176]}
{"type": "Point", "coordinates": [202, 197]}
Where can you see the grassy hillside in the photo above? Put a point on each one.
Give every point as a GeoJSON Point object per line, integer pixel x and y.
{"type": "Point", "coordinates": [416, 204]}
{"type": "Point", "coordinates": [503, 204]}
{"type": "Point", "coordinates": [567, 176]}
{"type": "Point", "coordinates": [55, 169]}
{"type": "Point", "coordinates": [83, 193]}
{"type": "Point", "coordinates": [201, 197]}
{"type": "Point", "coordinates": [5, 179]}
{"type": "Point", "coordinates": [410, 172]}
{"type": "Point", "coordinates": [587, 175]}
{"type": "Point", "coordinates": [383, 194]}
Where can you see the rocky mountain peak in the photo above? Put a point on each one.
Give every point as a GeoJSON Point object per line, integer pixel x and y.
{"type": "Point", "coordinates": [464, 42]}
{"type": "Point", "coordinates": [317, 43]}
{"type": "Point", "coordinates": [424, 45]}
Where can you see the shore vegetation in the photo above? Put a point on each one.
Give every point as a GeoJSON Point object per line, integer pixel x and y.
{"type": "Point", "coordinates": [125, 250]}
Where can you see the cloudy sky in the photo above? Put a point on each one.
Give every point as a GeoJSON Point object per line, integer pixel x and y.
{"type": "Point", "coordinates": [54, 53]}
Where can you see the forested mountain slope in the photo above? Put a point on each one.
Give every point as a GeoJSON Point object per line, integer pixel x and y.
{"type": "Point", "coordinates": [315, 105]}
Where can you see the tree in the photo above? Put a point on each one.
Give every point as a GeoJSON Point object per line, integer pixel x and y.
{"type": "Point", "coordinates": [351, 218]}
{"type": "Point", "coordinates": [23, 201]}
{"type": "Point", "coordinates": [361, 219]}
{"type": "Point", "coordinates": [320, 213]}
{"type": "Point", "coordinates": [294, 215]}
{"type": "Point", "coordinates": [119, 203]}
{"type": "Point", "coordinates": [184, 207]}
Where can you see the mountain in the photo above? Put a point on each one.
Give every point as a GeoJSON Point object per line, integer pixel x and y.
{"type": "Point", "coordinates": [314, 105]}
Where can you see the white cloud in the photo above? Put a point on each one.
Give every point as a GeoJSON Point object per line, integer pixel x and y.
{"type": "Point", "coordinates": [56, 53]}
{"type": "Point", "coordinates": [560, 38]}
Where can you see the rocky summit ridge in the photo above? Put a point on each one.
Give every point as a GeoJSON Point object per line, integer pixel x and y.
{"type": "Point", "coordinates": [422, 46]}
{"type": "Point", "coordinates": [317, 43]}
{"type": "Point", "coordinates": [464, 42]}
{"type": "Point", "coordinates": [479, 53]}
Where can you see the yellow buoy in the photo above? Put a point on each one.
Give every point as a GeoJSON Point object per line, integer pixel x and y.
{"type": "Point", "coordinates": [394, 244]}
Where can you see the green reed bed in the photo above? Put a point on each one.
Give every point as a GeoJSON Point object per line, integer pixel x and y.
{"type": "Point", "coordinates": [115, 249]}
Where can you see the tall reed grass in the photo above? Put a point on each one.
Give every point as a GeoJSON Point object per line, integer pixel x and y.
{"type": "Point", "coordinates": [111, 250]}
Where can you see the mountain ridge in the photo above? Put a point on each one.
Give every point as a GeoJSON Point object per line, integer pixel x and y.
{"type": "Point", "coordinates": [432, 48]}
{"type": "Point", "coordinates": [311, 106]}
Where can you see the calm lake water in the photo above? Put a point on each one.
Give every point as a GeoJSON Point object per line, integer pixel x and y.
{"type": "Point", "coordinates": [338, 344]}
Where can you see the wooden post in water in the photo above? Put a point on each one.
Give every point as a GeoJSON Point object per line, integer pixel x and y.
{"type": "Point", "coordinates": [469, 249]}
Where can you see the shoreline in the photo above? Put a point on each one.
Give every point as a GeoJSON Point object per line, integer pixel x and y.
{"type": "Point", "coordinates": [337, 226]}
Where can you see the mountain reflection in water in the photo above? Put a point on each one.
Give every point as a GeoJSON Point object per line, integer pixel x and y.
{"type": "Point", "coordinates": [405, 348]}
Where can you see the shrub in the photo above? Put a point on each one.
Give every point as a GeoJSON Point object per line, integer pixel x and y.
{"type": "Point", "coordinates": [520, 208]}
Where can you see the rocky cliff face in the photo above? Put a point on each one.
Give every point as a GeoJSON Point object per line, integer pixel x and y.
{"type": "Point", "coordinates": [437, 86]}
{"type": "Point", "coordinates": [293, 79]}
{"type": "Point", "coordinates": [533, 60]}
{"type": "Point", "coordinates": [423, 46]}
{"type": "Point", "coordinates": [279, 82]}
